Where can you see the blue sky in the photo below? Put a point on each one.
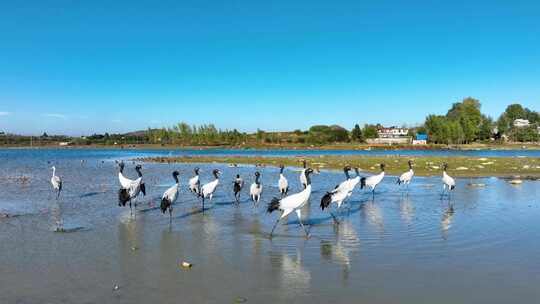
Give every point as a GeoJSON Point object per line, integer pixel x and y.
{"type": "Point", "coordinates": [79, 67]}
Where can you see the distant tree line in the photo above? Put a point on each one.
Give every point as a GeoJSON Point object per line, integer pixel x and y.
{"type": "Point", "coordinates": [464, 123]}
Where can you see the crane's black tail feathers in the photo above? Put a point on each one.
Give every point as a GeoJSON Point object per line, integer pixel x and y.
{"type": "Point", "coordinates": [452, 187]}
{"type": "Point", "coordinates": [326, 200]}
{"type": "Point", "coordinates": [362, 182]}
{"type": "Point", "coordinates": [165, 204]}
{"type": "Point", "coordinates": [143, 189]}
{"type": "Point", "coordinates": [398, 181]}
{"type": "Point", "coordinates": [273, 205]}
{"type": "Point", "coordinates": [123, 197]}
{"type": "Point", "coordinates": [237, 188]}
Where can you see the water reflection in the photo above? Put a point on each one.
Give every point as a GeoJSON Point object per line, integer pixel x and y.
{"type": "Point", "coordinates": [373, 214]}
{"type": "Point", "coordinates": [293, 277]}
{"type": "Point", "coordinates": [406, 209]}
{"type": "Point", "coordinates": [446, 220]}
{"type": "Point", "coordinates": [341, 250]}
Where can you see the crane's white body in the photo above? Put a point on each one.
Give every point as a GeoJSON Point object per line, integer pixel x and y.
{"type": "Point", "coordinates": [303, 179]}
{"type": "Point", "coordinates": [134, 188]}
{"type": "Point", "coordinates": [56, 181]}
{"type": "Point", "coordinates": [194, 184]}
{"type": "Point", "coordinates": [208, 189]}
{"type": "Point", "coordinates": [406, 177]}
{"type": "Point", "coordinates": [283, 184]}
{"type": "Point", "coordinates": [255, 191]}
{"type": "Point", "coordinates": [125, 182]}
{"type": "Point", "coordinates": [171, 194]}
{"type": "Point", "coordinates": [294, 202]}
{"type": "Point", "coordinates": [448, 181]}
{"type": "Point", "coordinates": [374, 180]}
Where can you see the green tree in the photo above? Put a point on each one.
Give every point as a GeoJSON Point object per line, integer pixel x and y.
{"type": "Point", "coordinates": [356, 133]}
{"type": "Point", "coordinates": [370, 131]}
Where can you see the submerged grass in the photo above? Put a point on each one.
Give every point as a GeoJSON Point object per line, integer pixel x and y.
{"type": "Point", "coordinates": [524, 167]}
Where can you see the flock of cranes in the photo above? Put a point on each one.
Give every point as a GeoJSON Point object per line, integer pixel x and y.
{"type": "Point", "coordinates": [286, 204]}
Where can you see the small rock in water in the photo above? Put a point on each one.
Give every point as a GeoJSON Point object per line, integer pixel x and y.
{"type": "Point", "coordinates": [116, 287]}
{"type": "Point", "coordinates": [516, 181]}
{"type": "Point", "coordinates": [240, 300]}
{"type": "Point", "coordinates": [134, 248]}
{"type": "Point", "coordinates": [185, 264]}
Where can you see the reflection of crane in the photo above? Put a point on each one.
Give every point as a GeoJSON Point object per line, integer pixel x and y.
{"type": "Point", "coordinates": [374, 215]}
{"type": "Point", "coordinates": [406, 210]}
{"type": "Point", "coordinates": [446, 221]}
{"type": "Point", "coordinates": [294, 277]}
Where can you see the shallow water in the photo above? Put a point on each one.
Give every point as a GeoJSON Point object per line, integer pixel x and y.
{"type": "Point", "coordinates": [479, 246]}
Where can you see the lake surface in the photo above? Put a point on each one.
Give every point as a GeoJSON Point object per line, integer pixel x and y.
{"type": "Point", "coordinates": [478, 246]}
{"type": "Point", "coordinates": [77, 153]}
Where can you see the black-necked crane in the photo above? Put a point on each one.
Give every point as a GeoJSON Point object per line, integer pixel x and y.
{"type": "Point", "coordinates": [56, 182]}
{"type": "Point", "coordinates": [406, 177]}
{"type": "Point", "coordinates": [293, 202]}
{"type": "Point", "coordinates": [303, 180]}
{"type": "Point", "coordinates": [208, 189]}
{"type": "Point", "coordinates": [338, 194]}
{"type": "Point", "coordinates": [448, 182]}
{"type": "Point", "coordinates": [238, 184]}
{"type": "Point", "coordinates": [373, 180]}
{"type": "Point", "coordinates": [255, 190]}
{"type": "Point", "coordinates": [170, 196]}
{"type": "Point", "coordinates": [125, 182]}
{"type": "Point", "coordinates": [195, 183]}
{"type": "Point", "coordinates": [135, 188]}
{"type": "Point", "coordinates": [283, 183]}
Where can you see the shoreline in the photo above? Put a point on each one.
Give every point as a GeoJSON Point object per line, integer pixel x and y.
{"type": "Point", "coordinates": [333, 147]}
{"type": "Point", "coordinates": [428, 166]}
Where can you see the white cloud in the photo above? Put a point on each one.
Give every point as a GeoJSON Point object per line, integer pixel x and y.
{"type": "Point", "coordinates": [5, 113]}
{"type": "Point", "coordinates": [55, 115]}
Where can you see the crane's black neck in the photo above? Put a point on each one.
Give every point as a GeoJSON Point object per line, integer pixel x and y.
{"type": "Point", "coordinates": [346, 173]}
{"type": "Point", "coordinates": [257, 180]}
{"type": "Point", "coordinates": [216, 175]}
{"type": "Point", "coordinates": [281, 170]}
{"type": "Point", "coordinates": [308, 178]}
{"type": "Point", "coordinates": [356, 171]}
{"type": "Point", "coordinates": [138, 171]}
{"type": "Point", "coordinates": [175, 178]}
{"type": "Point", "coordinates": [410, 165]}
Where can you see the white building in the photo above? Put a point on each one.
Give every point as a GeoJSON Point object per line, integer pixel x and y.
{"type": "Point", "coordinates": [520, 123]}
{"type": "Point", "coordinates": [392, 132]}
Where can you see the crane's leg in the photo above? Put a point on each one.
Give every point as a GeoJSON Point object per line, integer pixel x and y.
{"type": "Point", "coordinates": [203, 203]}
{"type": "Point", "coordinates": [273, 228]}
{"type": "Point", "coordinates": [334, 217]}
{"type": "Point", "coordinates": [299, 215]}
{"type": "Point", "coordinates": [170, 215]}
{"type": "Point", "coordinates": [130, 208]}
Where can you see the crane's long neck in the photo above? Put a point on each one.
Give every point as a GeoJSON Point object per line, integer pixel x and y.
{"type": "Point", "coordinates": [347, 174]}
{"type": "Point", "coordinates": [53, 171]}
{"type": "Point", "coordinates": [138, 172]}
{"type": "Point", "coordinates": [281, 170]}
{"type": "Point", "coordinates": [308, 179]}
{"type": "Point", "coordinates": [216, 175]}
{"type": "Point", "coordinates": [257, 180]}
{"type": "Point", "coordinates": [176, 178]}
